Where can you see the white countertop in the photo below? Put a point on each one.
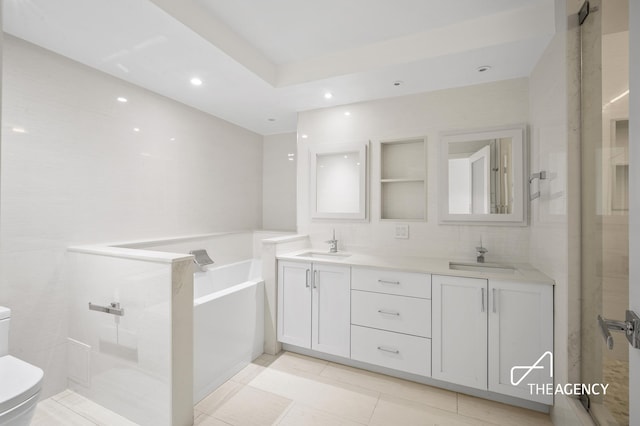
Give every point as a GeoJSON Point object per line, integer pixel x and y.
{"type": "Point", "coordinates": [523, 271]}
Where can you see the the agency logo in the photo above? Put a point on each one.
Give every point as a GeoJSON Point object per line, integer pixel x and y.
{"type": "Point", "coordinates": [549, 388]}
{"type": "Point", "coordinates": [529, 368]}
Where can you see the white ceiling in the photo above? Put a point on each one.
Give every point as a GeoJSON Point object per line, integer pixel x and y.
{"type": "Point", "coordinates": [262, 60]}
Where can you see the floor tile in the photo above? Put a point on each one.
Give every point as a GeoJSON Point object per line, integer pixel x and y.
{"type": "Point", "coordinates": [299, 415]}
{"type": "Point", "coordinates": [248, 373]}
{"type": "Point", "coordinates": [215, 399]}
{"type": "Point", "coordinates": [62, 394]}
{"type": "Point", "coordinates": [92, 411]}
{"type": "Point", "coordinates": [397, 411]}
{"type": "Point", "coordinates": [412, 391]}
{"type": "Point", "coordinates": [206, 420]}
{"type": "Point", "coordinates": [50, 413]}
{"type": "Point", "coordinates": [265, 359]}
{"type": "Point", "coordinates": [252, 407]}
{"type": "Point", "coordinates": [501, 414]}
{"type": "Point", "coordinates": [343, 400]}
{"type": "Point", "coordinates": [296, 390]}
{"type": "Point", "coordinates": [295, 363]}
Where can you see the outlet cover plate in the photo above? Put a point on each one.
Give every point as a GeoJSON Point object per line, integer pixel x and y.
{"type": "Point", "coordinates": [402, 231]}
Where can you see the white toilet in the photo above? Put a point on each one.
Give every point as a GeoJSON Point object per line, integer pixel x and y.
{"type": "Point", "coordinates": [19, 381]}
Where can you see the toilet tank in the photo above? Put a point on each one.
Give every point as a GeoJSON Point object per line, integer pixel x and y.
{"type": "Point", "coordinates": [5, 318]}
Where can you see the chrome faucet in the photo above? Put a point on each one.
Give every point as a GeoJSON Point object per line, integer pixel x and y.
{"type": "Point", "coordinates": [480, 251]}
{"type": "Point", "coordinates": [201, 258]}
{"type": "Point", "coordinates": [333, 243]}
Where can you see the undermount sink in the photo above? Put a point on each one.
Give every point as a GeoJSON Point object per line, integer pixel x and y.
{"type": "Point", "coordinates": [489, 268]}
{"type": "Point", "coordinates": [324, 255]}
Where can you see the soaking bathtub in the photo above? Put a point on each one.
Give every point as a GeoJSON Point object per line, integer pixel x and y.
{"type": "Point", "coordinates": [228, 323]}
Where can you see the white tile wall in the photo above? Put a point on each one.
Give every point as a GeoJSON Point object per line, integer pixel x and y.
{"type": "Point", "coordinates": [130, 356]}
{"type": "Point", "coordinates": [427, 114]}
{"type": "Point", "coordinates": [279, 182]}
{"type": "Point", "coordinates": [80, 174]}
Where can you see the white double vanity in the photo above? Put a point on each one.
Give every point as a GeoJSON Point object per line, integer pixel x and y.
{"type": "Point", "coordinates": [474, 328]}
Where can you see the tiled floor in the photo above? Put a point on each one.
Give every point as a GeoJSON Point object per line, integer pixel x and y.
{"type": "Point", "coordinates": [295, 390]}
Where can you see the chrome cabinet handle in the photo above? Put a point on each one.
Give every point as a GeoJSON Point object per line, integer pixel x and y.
{"type": "Point", "coordinates": [389, 282]}
{"type": "Point", "coordinates": [383, 349]}
{"type": "Point", "coordinates": [315, 279]}
{"type": "Point", "coordinates": [306, 284]}
{"type": "Point", "coordinates": [493, 294]}
{"type": "Point", "coordinates": [482, 299]}
{"type": "Point", "coordinates": [382, 311]}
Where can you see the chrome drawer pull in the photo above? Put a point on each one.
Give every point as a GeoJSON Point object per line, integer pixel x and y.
{"type": "Point", "coordinates": [389, 282]}
{"type": "Point", "coordinates": [382, 311]}
{"type": "Point", "coordinates": [307, 278]}
{"type": "Point", "coordinates": [383, 349]}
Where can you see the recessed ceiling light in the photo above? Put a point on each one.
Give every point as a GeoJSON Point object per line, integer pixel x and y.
{"type": "Point", "coordinates": [135, 129]}
{"type": "Point", "coordinates": [172, 139]}
{"type": "Point", "coordinates": [18, 130]}
{"type": "Point", "coordinates": [304, 136]}
{"type": "Point", "coordinates": [122, 99]}
{"type": "Point", "coordinates": [347, 113]}
{"type": "Point", "coordinates": [328, 95]}
{"type": "Point", "coordinates": [484, 68]}
{"type": "Point", "coordinates": [196, 81]}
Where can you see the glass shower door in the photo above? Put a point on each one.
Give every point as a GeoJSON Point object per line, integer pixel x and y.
{"type": "Point", "coordinates": [605, 204]}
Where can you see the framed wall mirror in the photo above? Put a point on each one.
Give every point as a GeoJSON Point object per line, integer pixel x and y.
{"type": "Point", "coordinates": [338, 181]}
{"type": "Point", "coordinates": [482, 176]}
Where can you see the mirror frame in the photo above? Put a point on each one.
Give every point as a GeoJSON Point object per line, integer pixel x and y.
{"type": "Point", "coordinates": [361, 149]}
{"type": "Point", "coordinates": [518, 217]}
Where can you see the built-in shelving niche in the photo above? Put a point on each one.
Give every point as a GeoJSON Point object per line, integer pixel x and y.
{"type": "Point", "coordinates": [403, 180]}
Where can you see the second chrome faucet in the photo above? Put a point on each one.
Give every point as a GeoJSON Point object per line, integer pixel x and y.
{"type": "Point", "coordinates": [480, 251]}
{"type": "Point", "coordinates": [333, 243]}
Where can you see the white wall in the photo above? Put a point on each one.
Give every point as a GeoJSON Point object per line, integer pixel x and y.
{"type": "Point", "coordinates": [279, 182]}
{"type": "Point", "coordinates": [426, 114]}
{"type": "Point", "coordinates": [80, 174]}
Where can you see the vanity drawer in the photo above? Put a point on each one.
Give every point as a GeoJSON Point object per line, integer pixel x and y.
{"type": "Point", "coordinates": [391, 282]}
{"type": "Point", "coordinates": [392, 350]}
{"type": "Point", "coordinates": [402, 314]}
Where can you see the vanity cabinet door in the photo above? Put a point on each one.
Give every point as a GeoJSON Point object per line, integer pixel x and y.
{"type": "Point", "coordinates": [331, 309]}
{"type": "Point", "coordinates": [294, 303]}
{"type": "Point", "coordinates": [459, 334]}
{"type": "Point", "coordinates": [520, 334]}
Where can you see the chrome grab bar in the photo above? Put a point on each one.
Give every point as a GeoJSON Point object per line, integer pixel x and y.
{"type": "Point", "coordinates": [113, 308]}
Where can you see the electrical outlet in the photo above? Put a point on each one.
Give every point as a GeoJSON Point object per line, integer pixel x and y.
{"type": "Point", "coordinates": [402, 231]}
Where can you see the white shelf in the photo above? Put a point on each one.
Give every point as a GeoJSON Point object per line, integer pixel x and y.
{"type": "Point", "coordinates": [402, 180]}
